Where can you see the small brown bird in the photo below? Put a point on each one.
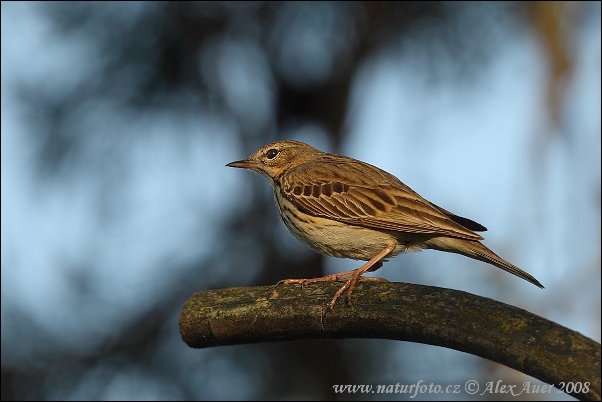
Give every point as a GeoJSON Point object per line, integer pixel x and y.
{"type": "Point", "coordinates": [343, 207]}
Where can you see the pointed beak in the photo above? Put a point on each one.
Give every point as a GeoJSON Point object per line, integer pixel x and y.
{"type": "Point", "coordinates": [245, 164]}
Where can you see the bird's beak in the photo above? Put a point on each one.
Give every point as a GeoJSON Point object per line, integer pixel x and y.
{"type": "Point", "coordinates": [245, 164]}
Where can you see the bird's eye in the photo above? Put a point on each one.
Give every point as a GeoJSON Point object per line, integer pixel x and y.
{"type": "Point", "coordinates": [271, 154]}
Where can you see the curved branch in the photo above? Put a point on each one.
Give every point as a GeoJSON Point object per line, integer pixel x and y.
{"type": "Point", "coordinates": [406, 312]}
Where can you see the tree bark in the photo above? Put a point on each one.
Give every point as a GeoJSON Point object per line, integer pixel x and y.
{"type": "Point", "coordinates": [406, 312]}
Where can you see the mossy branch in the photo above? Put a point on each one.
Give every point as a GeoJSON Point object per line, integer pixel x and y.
{"type": "Point", "coordinates": [406, 312]}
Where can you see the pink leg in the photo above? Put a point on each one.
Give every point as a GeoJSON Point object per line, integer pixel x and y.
{"type": "Point", "coordinates": [356, 274]}
{"type": "Point", "coordinates": [343, 276]}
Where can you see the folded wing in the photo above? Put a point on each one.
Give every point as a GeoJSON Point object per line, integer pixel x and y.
{"type": "Point", "coordinates": [365, 195]}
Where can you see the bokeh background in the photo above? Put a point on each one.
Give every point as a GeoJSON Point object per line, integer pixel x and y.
{"type": "Point", "coordinates": [118, 119]}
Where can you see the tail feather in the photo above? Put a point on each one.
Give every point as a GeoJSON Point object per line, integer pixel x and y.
{"type": "Point", "coordinates": [478, 251]}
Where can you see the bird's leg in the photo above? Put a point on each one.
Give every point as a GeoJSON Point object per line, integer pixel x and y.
{"type": "Point", "coordinates": [356, 275]}
{"type": "Point", "coordinates": [343, 276]}
{"type": "Point", "coordinates": [335, 277]}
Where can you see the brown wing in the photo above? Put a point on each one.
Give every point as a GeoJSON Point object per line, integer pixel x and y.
{"type": "Point", "coordinates": [361, 194]}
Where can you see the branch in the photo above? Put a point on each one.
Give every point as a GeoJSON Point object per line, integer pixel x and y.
{"type": "Point", "coordinates": [425, 314]}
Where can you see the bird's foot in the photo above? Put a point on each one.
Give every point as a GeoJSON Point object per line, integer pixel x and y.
{"type": "Point", "coordinates": [349, 286]}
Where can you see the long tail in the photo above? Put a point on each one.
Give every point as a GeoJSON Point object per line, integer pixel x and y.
{"type": "Point", "coordinates": [478, 251]}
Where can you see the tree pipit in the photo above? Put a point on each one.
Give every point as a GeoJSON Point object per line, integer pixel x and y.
{"type": "Point", "coordinates": [346, 208]}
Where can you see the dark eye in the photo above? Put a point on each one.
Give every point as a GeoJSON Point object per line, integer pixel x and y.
{"type": "Point", "coordinates": [272, 153]}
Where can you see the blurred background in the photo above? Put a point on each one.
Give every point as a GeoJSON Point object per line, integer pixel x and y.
{"type": "Point", "coordinates": [118, 119]}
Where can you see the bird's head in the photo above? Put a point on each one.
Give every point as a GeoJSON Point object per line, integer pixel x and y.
{"type": "Point", "coordinates": [277, 157]}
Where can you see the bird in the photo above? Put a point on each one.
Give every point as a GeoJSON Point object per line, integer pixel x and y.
{"type": "Point", "coordinates": [343, 207]}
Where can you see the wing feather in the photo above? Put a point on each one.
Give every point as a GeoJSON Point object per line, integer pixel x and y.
{"type": "Point", "coordinates": [368, 196]}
